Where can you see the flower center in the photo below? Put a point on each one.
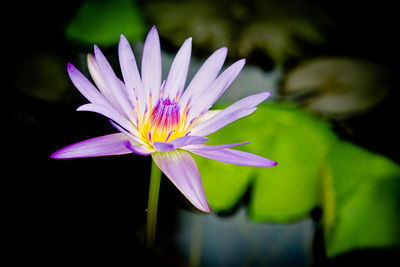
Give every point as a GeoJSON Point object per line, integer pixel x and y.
{"type": "Point", "coordinates": [163, 123]}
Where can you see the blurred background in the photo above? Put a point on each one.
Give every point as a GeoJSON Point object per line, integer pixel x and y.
{"type": "Point", "coordinates": [333, 199]}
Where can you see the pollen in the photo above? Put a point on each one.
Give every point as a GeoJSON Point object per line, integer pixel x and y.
{"type": "Point", "coordinates": [164, 122]}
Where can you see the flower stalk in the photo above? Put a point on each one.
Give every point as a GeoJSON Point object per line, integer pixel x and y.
{"type": "Point", "coordinates": [152, 206]}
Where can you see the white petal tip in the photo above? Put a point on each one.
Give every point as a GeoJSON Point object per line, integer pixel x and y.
{"type": "Point", "coordinates": [223, 50]}
{"type": "Point", "coordinates": [123, 40]}
{"type": "Point", "coordinates": [153, 30]}
{"type": "Point", "coordinates": [81, 108]}
{"type": "Point", "coordinates": [238, 65]}
{"type": "Point", "coordinates": [205, 209]}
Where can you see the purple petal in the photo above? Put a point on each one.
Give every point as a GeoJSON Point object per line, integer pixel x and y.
{"type": "Point", "coordinates": [177, 75]}
{"type": "Point", "coordinates": [100, 82]}
{"type": "Point", "coordinates": [134, 138]}
{"type": "Point", "coordinates": [188, 140]}
{"type": "Point", "coordinates": [85, 86]}
{"type": "Point", "coordinates": [163, 147]}
{"type": "Point", "coordinates": [239, 109]}
{"type": "Point", "coordinates": [208, 97]}
{"type": "Point", "coordinates": [179, 142]}
{"type": "Point", "coordinates": [181, 169]}
{"type": "Point", "coordinates": [217, 124]}
{"type": "Point", "coordinates": [130, 73]}
{"type": "Point", "coordinates": [129, 68]}
{"type": "Point", "coordinates": [151, 64]}
{"type": "Point", "coordinates": [217, 147]}
{"type": "Point", "coordinates": [233, 157]}
{"type": "Point", "coordinates": [204, 76]}
{"type": "Point", "coordinates": [112, 144]}
{"type": "Point", "coordinates": [113, 83]}
{"type": "Point", "coordinates": [137, 149]}
{"type": "Point", "coordinates": [111, 114]}
{"type": "Point", "coordinates": [206, 116]}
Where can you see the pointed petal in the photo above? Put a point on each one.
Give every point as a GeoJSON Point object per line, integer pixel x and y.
{"type": "Point", "coordinates": [181, 169]}
{"type": "Point", "coordinates": [112, 144]}
{"type": "Point", "coordinates": [113, 83]}
{"type": "Point", "coordinates": [163, 147]}
{"type": "Point", "coordinates": [138, 149]}
{"type": "Point", "coordinates": [221, 122]}
{"type": "Point", "coordinates": [207, 98]}
{"type": "Point", "coordinates": [129, 69]}
{"type": "Point", "coordinates": [111, 114]}
{"type": "Point", "coordinates": [188, 140]}
{"type": "Point", "coordinates": [233, 157]}
{"type": "Point", "coordinates": [204, 76]}
{"type": "Point", "coordinates": [84, 86]}
{"type": "Point", "coordinates": [237, 110]}
{"type": "Point", "coordinates": [131, 136]}
{"type": "Point", "coordinates": [179, 142]}
{"type": "Point", "coordinates": [208, 115]}
{"type": "Point", "coordinates": [130, 72]}
{"type": "Point", "coordinates": [100, 82]}
{"type": "Point", "coordinates": [217, 147]}
{"type": "Point", "coordinates": [177, 75]}
{"type": "Point", "coordinates": [151, 65]}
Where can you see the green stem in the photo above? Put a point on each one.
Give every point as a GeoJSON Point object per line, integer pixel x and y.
{"type": "Point", "coordinates": [152, 205]}
{"type": "Point", "coordinates": [195, 242]}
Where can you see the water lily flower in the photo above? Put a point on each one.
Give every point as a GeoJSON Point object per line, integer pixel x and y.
{"type": "Point", "coordinates": [162, 119]}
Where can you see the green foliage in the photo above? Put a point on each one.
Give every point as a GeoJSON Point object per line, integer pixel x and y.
{"type": "Point", "coordinates": [274, 27]}
{"type": "Point", "coordinates": [102, 22]}
{"type": "Point", "coordinates": [357, 190]}
{"type": "Point", "coordinates": [366, 200]}
{"type": "Point", "coordinates": [284, 193]}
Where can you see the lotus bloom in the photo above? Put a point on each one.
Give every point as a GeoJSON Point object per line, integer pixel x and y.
{"type": "Point", "coordinates": [162, 119]}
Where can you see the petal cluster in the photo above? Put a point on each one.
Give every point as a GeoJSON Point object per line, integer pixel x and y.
{"type": "Point", "coordinates": [162, 118]}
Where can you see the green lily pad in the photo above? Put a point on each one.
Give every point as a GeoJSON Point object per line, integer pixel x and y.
{"type": "Point", "coordinates": [284, 193]}
{"type": "Point", "coordinates": [102, 22]}
{"type": "Point", "coordinates": [359, 191]}
{"type": "Point", "coordinates": [364, 208]}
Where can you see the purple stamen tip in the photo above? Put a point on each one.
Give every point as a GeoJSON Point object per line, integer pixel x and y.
{"type": "Point", "coordinates": [169, 134]}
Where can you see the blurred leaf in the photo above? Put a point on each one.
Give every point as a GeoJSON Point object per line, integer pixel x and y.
{"type": "Point", "coordinates": [276, 28]}
{"type": "Point", "coordinates": [359, 191]}
{"type": "Point", "coordinates": [102, 22]}
{"type": "Point", "coordinates": [365, 209]}
{"type": "Point", "coordinates": [42, 75]}
{"type": "Point", "coordinates": [279, 37]}
{"type": "Point", "coordinates": [287, 192]}
{"type": "Point", "coordinates": [178, 20]}
{"type": "Point", "coordinates": [337, 85]}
